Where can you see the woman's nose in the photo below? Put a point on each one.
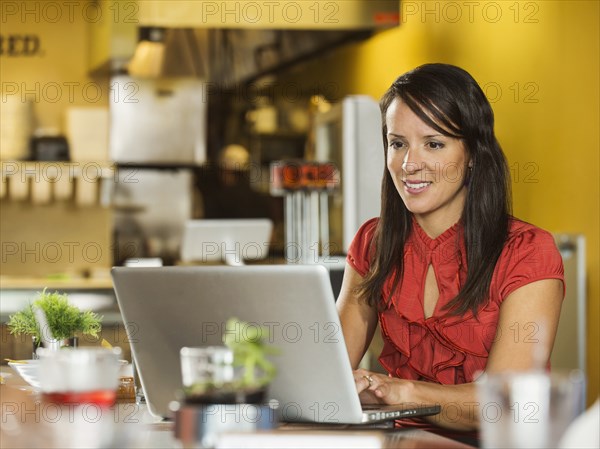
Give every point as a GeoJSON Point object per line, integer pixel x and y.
{"type": "Point", "coordinates": [410, 164]}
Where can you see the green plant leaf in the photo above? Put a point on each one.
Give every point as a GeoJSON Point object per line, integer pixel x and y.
{"type": "Point", "coordinates": [247, 341]}
{"type": "Point", "coordinates": [63, 318]}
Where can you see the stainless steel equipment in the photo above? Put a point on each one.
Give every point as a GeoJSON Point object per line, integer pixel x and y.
{"type": "Point", "coordinates": [570, 345]}
{"type": "Point", "coordinates": [349, 135]}
{"type": "Point", "coordinates": [158, 121]}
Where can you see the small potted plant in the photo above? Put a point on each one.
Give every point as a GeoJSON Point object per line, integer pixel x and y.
{"type": "Point", "coordinates": [225, 387]}
{"type": "Point", "coordinates": [244, 357]}
{"type": "Point", "coordinates": [64, 320]}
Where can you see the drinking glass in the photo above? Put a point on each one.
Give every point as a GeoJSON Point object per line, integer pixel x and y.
{"type": "Point", "coordinates": [79, 391]}
{"type": "Point", "coordinates": [528, 409]}
{"type": "Point", "coordinates": [84, 375]}
{"type": "Point", "coordinates": [215, 401]}
{"type": "Point", "coordinates": [207, 373]}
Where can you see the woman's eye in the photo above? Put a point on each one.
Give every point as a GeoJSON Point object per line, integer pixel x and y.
{"type": "Point", "coordinates": [396, 145]}
{"type": "Point", "coordinates": [435, 145]}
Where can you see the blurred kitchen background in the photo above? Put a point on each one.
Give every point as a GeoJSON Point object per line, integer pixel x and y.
{"type": "Point", "coordinates": [121, 120]}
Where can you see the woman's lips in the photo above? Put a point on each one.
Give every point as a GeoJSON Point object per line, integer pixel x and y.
{"type": "Point", "coordinates": [415, 187]}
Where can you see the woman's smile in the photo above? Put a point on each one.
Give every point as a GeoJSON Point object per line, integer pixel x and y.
{"type": "Point", "coordinates": [415, 187]}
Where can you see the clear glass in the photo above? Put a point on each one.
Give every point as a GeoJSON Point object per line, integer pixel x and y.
{"type": "Point", "coordinates": [211, 366]}
{"type": "Point", "coordinates": [84, 375]}
{"type": "Point", "coordinates": [529, 409]}
{"type": "Point", "coordinates": [208, 374]}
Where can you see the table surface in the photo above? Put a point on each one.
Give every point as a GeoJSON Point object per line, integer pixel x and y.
{"type": "Point", "coordinates": [28, 422]}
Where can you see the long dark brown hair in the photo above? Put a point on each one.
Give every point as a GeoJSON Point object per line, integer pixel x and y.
{"type": "Point", "coordinates": [450, 101]}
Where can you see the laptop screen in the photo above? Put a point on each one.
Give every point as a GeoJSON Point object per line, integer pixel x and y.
{"type": "Point", "coordinates": [167, 308]}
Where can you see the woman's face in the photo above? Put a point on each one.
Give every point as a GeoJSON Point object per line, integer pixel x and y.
{"type": "Point", "coordinates": [427, 167]}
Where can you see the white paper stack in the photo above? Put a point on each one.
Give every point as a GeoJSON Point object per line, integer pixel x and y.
{"type": "Point", "coordinates": [15, 127]}
{"type": "Point", "coordinates": [87, 132]}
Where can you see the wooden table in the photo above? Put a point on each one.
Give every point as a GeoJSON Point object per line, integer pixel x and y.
{"type": "Point", "coordinates": [27, 422]}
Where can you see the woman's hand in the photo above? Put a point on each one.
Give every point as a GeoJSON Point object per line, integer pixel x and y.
{"type": "Point", "coordinates": [375, 388]}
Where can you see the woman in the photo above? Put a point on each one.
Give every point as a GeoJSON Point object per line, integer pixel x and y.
{"type": "Point", "coordinates": [457, 285]}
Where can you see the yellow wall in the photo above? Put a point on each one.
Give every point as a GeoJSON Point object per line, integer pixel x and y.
{"type": "Point", "coordinates": [74, 37]}
{"type": "Point", "coordinates": [543, 57]}
{"type": "Point", "coordinates": [54, 78]}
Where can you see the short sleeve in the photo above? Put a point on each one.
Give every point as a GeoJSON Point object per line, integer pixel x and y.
{"type": "Point", "coordinates": [358, 252]}
{"type": "Point", "coordinates": [530, 255]}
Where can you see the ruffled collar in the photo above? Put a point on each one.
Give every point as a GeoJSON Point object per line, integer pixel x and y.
{"type": "Point", "coordinates": [431, 243]}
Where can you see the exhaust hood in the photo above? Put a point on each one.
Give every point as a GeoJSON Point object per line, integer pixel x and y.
{"type": "Point", "coordinates": [248, 14]}
{"type": "Point", "coordinates": [229, 56]}
{"type": "Point", "coordinates": [170, 53]}
{"type": "Point", "coordinates": [229, 42]}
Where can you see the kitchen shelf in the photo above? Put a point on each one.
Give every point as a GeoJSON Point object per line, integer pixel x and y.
{"type": "Point", "coordinates": [39, 283]}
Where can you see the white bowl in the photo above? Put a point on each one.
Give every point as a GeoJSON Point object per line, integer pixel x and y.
{"type": "Point", "coordinates": [28, 370]}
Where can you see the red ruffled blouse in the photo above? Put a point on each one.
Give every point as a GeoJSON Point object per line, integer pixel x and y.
{"type": "Point", "coordinates": [442, 348]}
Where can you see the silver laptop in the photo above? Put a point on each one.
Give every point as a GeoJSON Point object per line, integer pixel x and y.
{"type": "Point", "coordinates": [166, 308]}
